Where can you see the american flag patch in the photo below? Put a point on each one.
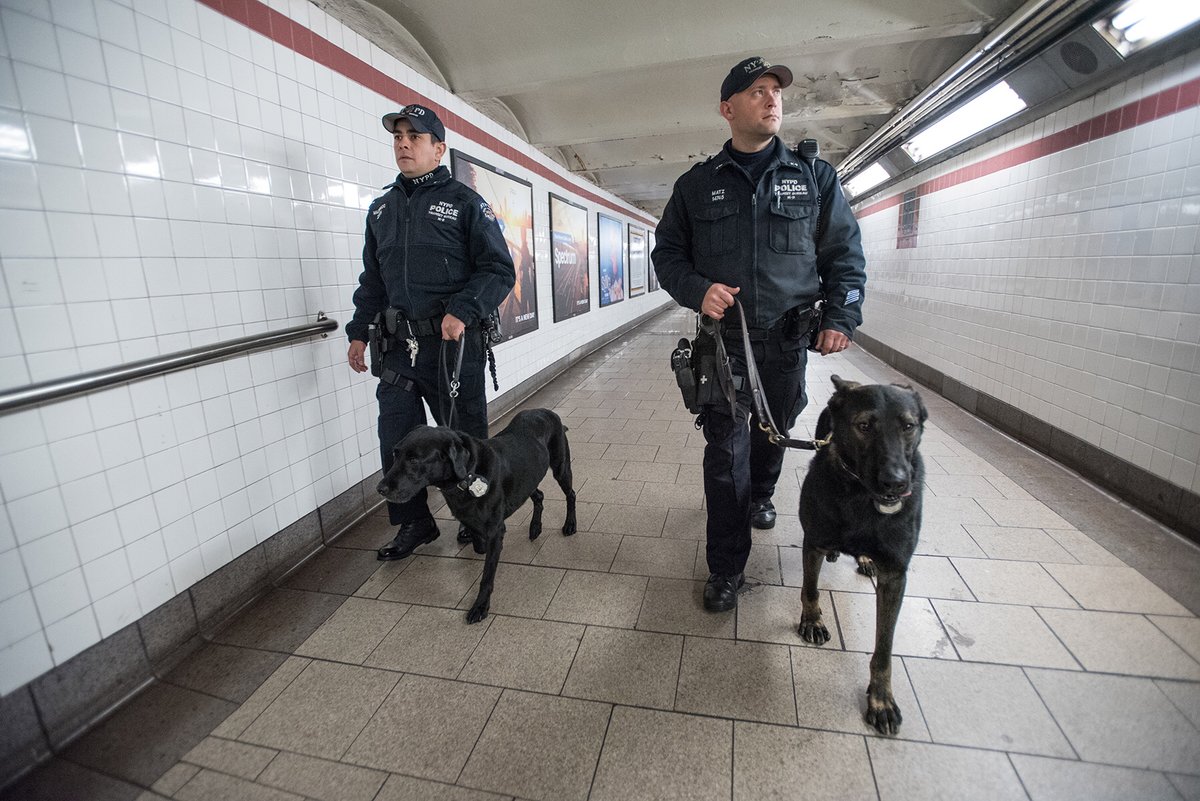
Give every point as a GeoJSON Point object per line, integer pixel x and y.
{"type": "Point", "coordinates": [852, 296]}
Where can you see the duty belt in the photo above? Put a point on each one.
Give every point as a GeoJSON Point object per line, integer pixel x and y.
{"type": "Point", "coordinates": [398, 325]}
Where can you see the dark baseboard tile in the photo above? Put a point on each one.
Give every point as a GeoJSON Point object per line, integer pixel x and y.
{"type": "Point", "coordinates": [22, 739]}
{"type": "Point", "coordinates": [1168, 503]}
{"type": "Point", "coordinates": [288, 548]}
{"type": "Point", "coordinates": [341, 512]}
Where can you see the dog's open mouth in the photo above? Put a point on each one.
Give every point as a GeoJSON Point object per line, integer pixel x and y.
{"type": "Point", "coordinates": [889, 504]}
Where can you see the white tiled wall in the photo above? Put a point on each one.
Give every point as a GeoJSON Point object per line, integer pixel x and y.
{"type": "Point", "coordinates": [169, 178]}
{"type": "Point", "coordinates": [1067, 286]}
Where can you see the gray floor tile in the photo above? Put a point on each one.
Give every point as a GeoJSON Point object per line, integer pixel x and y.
{"type": "Point", "coordinates": [947, 539]}
{"type": "Point", "coordinates": [429, 641]}
{"type": "Point", "coordinates": [261, 698]}
{"type": "Point", "coordinates": [685, 524]}
{"type": "Point", "coordinates": [322, 779]}
{"type": "Point", "coordinates": [1187, 786]}
{"type": "Point", "coordinates": [761, 568]}
{"type": "Point", "coordinates": [323, 710]}
{"type": "Point", "coordinates": [383, 576]}
{"type": "Point", "coordinates": [655, 556]}
{"type": "Point", "coordinates": [150, 733]}
{"type": "Point", "coordinates": [772, 614]}
{"type": "Point", "coordinates": [1006, 582]}
{"type": "Point", "coordinates": [1186, 697]}
{"type": "Point", "coordinates": [229, 756]}
{"type": "Point", "coordinates": [649, 471]}
{"type": "Point", "coordinates": [1114, 589]}
{"type": "Point", "coordinates": [526, 654]}
{"type": "Point", "coordinates": [626, 667]}
{"type": "Point", "coordinates": [946, 485]}
{"type": "Point", "coordinates": [1019, 544]}
{"type": "Point", "coordinates": [659, 495]}
{"type": "Point", "coordinates": [62, 780]}
{"type": "Point", "coordinates": [935, 577]}
{"type": "Point", "coordinates": [1083, 549]}
{"type": "Point", "coordinates": [1118, 720]}
{"type": "Point", "coordinates": [641, 521]}
{"type": "Point", "coordinates": [1111, 642]}
{"type": "Point", "coordinates": [208, 785]}
{"type": "Point", "coordinates": [353, 631]}
{"type": "Point", "coordinates": [426, 727]}
{"type": "Point", "coordinates": [225, 671]}
{"type": "Point", "coordinates": [675, 606]}
{"type": "Point", "coordinates": [662, 756]}
{"type": "Point", "coordinates": [178, 775]}
{"type": "Point", "coordinates": [595, 490]}
{"type": "Point", "coordinates": [905, 771]}
{"type": "Point", "coordinates": [743, 680]}
{"type": "Point", "coordinates": [1048, 779]}
{"type": "Point", "coordinates": [1022, 513]}
{"type": "Point", "coordinates": [772, 763]}
{"type": "Point", "coordinates": [520, 590]}
{"type": "Point", "coordinates": [1185, 631]}
{"type": "Point", "coordinates": [583, 551]}
{"type": "Point", "coordinates": [955, 511]}
{"type": "Point", "coordinates": [831, 692]}
{"type": "Point", "coordinates": [601, 599]}
{"type": "Point", "coordinates": [918, 630]}
{"type": "Point", "coordinates": [1002, 633]}
{"type": "Point", "coordinates": [538, 747]}
{"type": "Point", "coordinates": [280, 621]}
{"type": "Point", "coordinates": [433, 581]}
{"type": "Point", "coordinates": [984, 706]}
{"type": "Point", "coordinates": [517, 547]}
{"type": "Point", "coordinates": [407, 788]}
{"type": "Point", "coordinates": [340, 571]}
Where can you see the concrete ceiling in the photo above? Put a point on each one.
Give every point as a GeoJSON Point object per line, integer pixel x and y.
{"type": "Point", "coordinates": [625, 92]}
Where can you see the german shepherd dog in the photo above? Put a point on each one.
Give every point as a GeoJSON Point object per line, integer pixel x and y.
{"type": "Point", "coordinates": [485, 480]}
{"type": "Point", "coordinates": [862, 496]}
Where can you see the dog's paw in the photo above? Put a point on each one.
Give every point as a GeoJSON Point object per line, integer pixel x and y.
{"type": "Point", "coordinates": [813, 631]}
{"type": "Point", "coordinates": [569, 528]}
{"type": "Point", "coordinates": [866, 566]}
{"type": "Point", "coordinates": [535, 531]}
{"type": "Point", "coordinates": [882, 713]}
{"type": "Point", "coordinates": [478, 612]}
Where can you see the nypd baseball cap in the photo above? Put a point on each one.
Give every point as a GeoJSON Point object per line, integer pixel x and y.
{"type": "Point", "coordinates": [748, 71]}
{"type": "Point", "coordinates": [422, 119]}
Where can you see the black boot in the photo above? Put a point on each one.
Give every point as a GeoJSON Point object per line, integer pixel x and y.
{"type": "Point", "coordinates": [720, 593]}
{"type": "Point", "coordinates": [762, 514]}
{"type": "Point", "coordinates": [407, 538]}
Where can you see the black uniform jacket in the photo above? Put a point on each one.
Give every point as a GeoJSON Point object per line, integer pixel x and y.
{"type": "Point", "coordinates": [438, 251]}
{"type": "Point", "coordinates": [774, 241]}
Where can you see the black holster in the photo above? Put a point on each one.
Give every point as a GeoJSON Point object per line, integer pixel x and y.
{"type": "Point", "coordinates": [379, 342]}
{"type": "Point", "coordinates": [703, 376]}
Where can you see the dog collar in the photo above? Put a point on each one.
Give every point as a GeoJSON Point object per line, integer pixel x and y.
{"type": "Point", "coordinates": [475, 486]}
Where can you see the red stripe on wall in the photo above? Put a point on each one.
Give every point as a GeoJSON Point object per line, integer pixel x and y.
{"type": "Point", "coordinates": [291, 34]}
{"type": "Point", "coordinates": [1139, 112]}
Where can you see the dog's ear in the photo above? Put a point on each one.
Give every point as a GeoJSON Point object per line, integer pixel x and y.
{"type": "Point", "coordinates": [922, 414]}
{"type": "Point", "coordinates": [459, 454]}
{"type": "Point", "coordinates": [841, 384]}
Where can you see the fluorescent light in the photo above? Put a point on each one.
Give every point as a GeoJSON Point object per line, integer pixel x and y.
{"type": "Point", "coordinates": [869, 178]}
{"type": "Point", "coordinates": [989, 108]}
{"type": "Point", "coordinates": [1140, 23]}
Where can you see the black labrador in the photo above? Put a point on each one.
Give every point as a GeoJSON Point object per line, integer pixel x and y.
{"type": "Point", "coordinates": [485, 480]}
{"type": "Point", "coordinates": [862, 496]}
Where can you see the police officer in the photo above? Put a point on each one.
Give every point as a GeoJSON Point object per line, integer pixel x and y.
{"type": "Point", "coordinates": [434, 266]}
{"type": "Point", "coordinates": [760, 225]}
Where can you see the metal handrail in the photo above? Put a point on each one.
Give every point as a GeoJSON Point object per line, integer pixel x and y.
{"type": "Point", "coordinates": [61, 388]}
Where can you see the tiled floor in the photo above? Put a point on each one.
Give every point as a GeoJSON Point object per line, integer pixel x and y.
{"type": "Point", "coordinates": [1037, 656]}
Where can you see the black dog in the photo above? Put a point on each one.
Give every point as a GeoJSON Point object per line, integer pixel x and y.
{"type": "Point", "coordinates": [486, 480]}
{"type": "Point", "coordinates": [862, 496]}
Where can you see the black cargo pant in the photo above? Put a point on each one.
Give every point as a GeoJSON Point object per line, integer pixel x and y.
{"type": "Point", "coordinates": [741, 465]}
{"type": "Point", "coordinates": [401, 408]}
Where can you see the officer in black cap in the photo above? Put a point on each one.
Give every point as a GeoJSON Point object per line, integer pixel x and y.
{"type": "Point", "coordinates": [760, 224]}
{"type": "Point", "coordinates": [435, 264]}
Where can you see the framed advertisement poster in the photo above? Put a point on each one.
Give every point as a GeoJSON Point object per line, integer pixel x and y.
{"type": "Point", "coordinates": [637, 262]}
{"type": "Point", "coordinates": [653, 276]}
{"type": "Point", "coordinates": [611, 255]}
{"type": "Point", "coordinates": [569, 258]}
{"type": "Point", "coordinates": [511, 200]}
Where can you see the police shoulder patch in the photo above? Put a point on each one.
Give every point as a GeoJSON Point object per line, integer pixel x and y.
{"type": "Point", "coordinates": [487, 210]}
